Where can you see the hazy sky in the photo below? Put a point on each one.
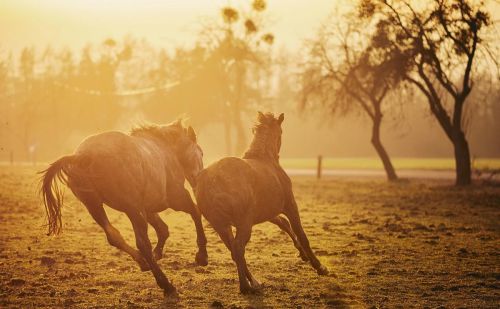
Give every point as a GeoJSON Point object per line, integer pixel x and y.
{"type": "Point", "coordinates": [165, 23]}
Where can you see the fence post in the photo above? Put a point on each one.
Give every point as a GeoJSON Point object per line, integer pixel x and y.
{"type": "Point", "coordinates": [318, 173]}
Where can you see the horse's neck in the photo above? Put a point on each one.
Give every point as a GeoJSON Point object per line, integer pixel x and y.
{"type": "Point", "coordinates": [173, 170]}
{"type": "Point", "coordinates": [167, 151]}
{"type": "Point", "coordinates": [259, 149]}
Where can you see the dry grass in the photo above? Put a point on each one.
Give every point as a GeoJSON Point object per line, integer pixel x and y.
{"type": "Point", "coordinates": [408, 244]}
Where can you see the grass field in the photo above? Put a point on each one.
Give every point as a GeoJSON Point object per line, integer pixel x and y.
{"type": "Point", "coordinates": [375, 163]}
{"type": "Point", "coordinates": [407, 244]}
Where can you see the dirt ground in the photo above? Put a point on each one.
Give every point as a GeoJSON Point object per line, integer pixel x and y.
{"type": "Point", "coordinates": [407, 244]}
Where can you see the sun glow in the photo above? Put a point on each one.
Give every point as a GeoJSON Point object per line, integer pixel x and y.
{"type": "Point", "coordinates": [165, 23]}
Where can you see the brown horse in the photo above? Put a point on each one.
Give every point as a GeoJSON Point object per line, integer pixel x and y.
{"type": "Point", "coordinates": [244, 192]}
{"type": "Point", "coordinates": [139, 174]}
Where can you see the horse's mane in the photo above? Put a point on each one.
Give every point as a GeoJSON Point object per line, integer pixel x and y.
{"type": "Point", "coordinates": [166, 133]}
{"type": "Point", "coordinates": [259, 147]}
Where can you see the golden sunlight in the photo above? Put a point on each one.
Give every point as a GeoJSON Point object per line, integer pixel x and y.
{"type": "Point", "coordinates": [165, 23]}
{"type": "Point", "coordinates": [249, 153]}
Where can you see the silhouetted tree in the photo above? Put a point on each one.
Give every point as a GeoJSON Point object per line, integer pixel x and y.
{"type": "Point", "coordinates": [188, 70]}
{"type": "Point", "coordinates": [436, 47]}
{"type": "Point", "coordinates": [344, 75]}
{"type": "Point", "coordinates": [97, 85]}
{"type": "Point", "coordinates": [27, 103]}
{"type": "Point", "coordinates": [235, 45]}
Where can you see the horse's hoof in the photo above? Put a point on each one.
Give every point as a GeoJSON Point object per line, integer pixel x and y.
{"type": "Point", "coordinates": [158, 255]}
{"type": "Point", "coordinates": [201, 259]}
{"type": "Point", "coordinates": [144, 265]}
{"type": "Point", "coordinates": [250, 290]}
{"type": "Point", "coordinates": [167, 286]}
{"type": "Point", "coordinates": [303, 257]}
{"type": "Point", "coordinates": [322, 271]}
{"type": "Point", "coordinates": [256, 285]}
{"type": "Point", "coordinates": [252, 287]}
{"type": "Point", "coordinates": [170, 291]}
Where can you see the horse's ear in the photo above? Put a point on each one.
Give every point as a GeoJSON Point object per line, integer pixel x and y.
{"type": "Point", "coordinates": [281, 118]}
{"type": "Point", "coordinates": [191, 134]}
{"type": "Point", "coordinates": [178, 122]}
{"type": "Point", "coordinates": [261, 117]}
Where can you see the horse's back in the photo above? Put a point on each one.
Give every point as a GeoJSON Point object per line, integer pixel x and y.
{"type": "Point", "coordinates": [111, 154]}
{"type": "Point", "coordinates": [227, 175]}
{"type": "Point", "coordinates": [120, 168]}
{"type": "Point", "coordinates": [270, 189]}
{"type": "Point", "coordinates": [104, 143]}
{"type": "Point", "coordinates": [224, 191]}
{"type": "Point", "coordinates": [232, 189]}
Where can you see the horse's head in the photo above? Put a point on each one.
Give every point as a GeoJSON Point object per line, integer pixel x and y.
{"type": "Point", "coordinates": [182, 141]}
{"type": "Point", "coordinates": [267, 136]}
{"type": "Point", "coordinates": [192, 158]}
{"type": "Point", "coordinates": [272, 126]}
{"type": "Point", "coordinates": [188, 152]}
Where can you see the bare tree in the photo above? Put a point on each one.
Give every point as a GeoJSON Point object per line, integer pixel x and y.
{"type": "Point", "coordinates": [345, 75]}
{"type": "Point", "coordinates": [439, 45]}
{"type": "Point", "coordinates": [96, 83]}
{"type": "Point", "coordinates": [236, 43]}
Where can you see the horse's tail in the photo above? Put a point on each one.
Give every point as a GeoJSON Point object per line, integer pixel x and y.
{"type": "Point", "coordinates": [51, 192]}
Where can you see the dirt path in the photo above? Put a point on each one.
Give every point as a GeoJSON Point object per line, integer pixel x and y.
{"type": "Point", "coordinates": [411, 244]}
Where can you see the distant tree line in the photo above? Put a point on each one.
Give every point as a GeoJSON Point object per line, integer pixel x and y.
{"type": "Point", "coordinates": [45, 96]}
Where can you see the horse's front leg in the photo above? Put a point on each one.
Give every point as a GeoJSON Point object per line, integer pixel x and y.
{"type": "Point", "coordinates": [161, 229]}
{"type": "Point", "coordinates": [202, 255]}
{"type": "Point", "coordinates": [186, 204]}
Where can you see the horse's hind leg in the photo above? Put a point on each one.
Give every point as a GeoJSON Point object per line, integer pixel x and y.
{"type": "Point", "coordinates": [161, 229]}
{"type": "Point", "coordinates": [113, 235]}
{"type": "Point", "coordinates": [284, 225]}
{"type": "Point", "coordinates": [243, 233]}
{"type": "Point", "coordinates": [140, 226]}
{"type": "Point", "coordinates": [293, 215]}
{"type": "Point", "coordinates": [226, 235]}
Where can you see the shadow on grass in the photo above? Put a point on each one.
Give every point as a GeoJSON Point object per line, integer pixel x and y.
{"type": "Point", "coordinates": [335, 297]}
{"type": "Point", "coordinates": [257, 300]}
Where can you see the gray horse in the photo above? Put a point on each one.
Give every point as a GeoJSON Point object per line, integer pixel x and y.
{"type": "Point", "coordinates": [251, 190]}
{"type": "Point", "coordinates": [139, 174]}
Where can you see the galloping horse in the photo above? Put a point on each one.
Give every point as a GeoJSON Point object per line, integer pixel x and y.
{"type": "Point", "coordinates": [244, 192]}
{"type": "Point", "coordinates": [139, 174]}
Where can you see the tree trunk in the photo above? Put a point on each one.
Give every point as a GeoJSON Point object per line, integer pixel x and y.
{"type": "Point", "coordinates": [241, 140]}
{"type": "Point", "coordinates": [462, 159]}
{"type": "Point", "coordinates": [227, 133]}
{"type": "Point", "coordinates": [377, 144]}
{"type": "Point", "coordinates": [237, 103]}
